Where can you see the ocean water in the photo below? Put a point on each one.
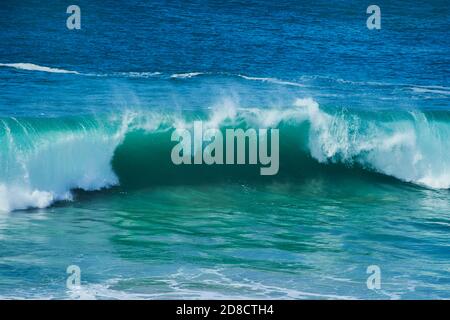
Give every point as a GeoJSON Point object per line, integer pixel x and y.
{"type": "Point", "coordinates": [86, 178]}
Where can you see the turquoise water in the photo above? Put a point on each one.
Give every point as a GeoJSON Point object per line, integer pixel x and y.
{"type": "Point", "coordinates": [310, 239]}
{"type": "Point", "coordinates": [86, 177]}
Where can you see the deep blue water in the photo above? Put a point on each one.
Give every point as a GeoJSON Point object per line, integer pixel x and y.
{"type": "Point", "coordinates": [365, 149]}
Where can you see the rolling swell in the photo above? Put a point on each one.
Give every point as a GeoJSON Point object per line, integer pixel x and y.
{"type": "Point", "coordinates": [43, 160]}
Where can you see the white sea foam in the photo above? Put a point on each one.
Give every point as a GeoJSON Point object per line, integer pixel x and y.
{"type": "Point", "coordinates": [35, 67]}
{"type": "Point", "coordinates": [175, 288]}
{"type": "Point", "coordinates": [137, 74]}
{"type": "Point", "coordinates": [272, 80]}
{"type": "Point", "coordinates": [39, 168]}
{"type": "Point", "coordinates": [432, 90]}
{"type": "Point", "coordinates": [185, 75]}
{"type": "Point", "coordinates": [413, 150]}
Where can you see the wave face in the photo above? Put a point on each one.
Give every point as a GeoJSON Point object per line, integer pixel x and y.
{"type": "Point", "coordinates": [410, 146]}
{"type": "Point", "coordinates": [43, 160]}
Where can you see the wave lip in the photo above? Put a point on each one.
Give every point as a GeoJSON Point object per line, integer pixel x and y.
{"type": "Point", "coordinates": [35, 67]}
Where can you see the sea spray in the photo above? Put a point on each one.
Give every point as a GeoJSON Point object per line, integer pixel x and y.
{"type": "Point", "coordinates": [43, 160]}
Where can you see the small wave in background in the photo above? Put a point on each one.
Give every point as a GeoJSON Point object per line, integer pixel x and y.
{"type": "Point", "coordinates": [43, 160]}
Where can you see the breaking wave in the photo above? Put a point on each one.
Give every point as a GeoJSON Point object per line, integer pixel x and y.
{"type": "Point", "coordinates": [44, 160]}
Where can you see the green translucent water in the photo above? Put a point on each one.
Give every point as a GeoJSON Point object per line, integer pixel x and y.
{"type": "Point", "coordinates": [309, 239]}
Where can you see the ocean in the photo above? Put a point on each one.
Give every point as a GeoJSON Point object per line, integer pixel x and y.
{"type": "Point", "coordinates": [86, 177]}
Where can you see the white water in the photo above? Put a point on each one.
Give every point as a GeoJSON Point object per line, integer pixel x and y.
{"type": "Point", "coordinates": [35, 67]}
{"type": "Point", "coordinates": [413, 150]}
{"type": "Point", "coordinates": [185, 75]}
{"type": "Point", "coordinates": [272, 80]}
{"type": "Point", "coordinates": [39, 168]}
